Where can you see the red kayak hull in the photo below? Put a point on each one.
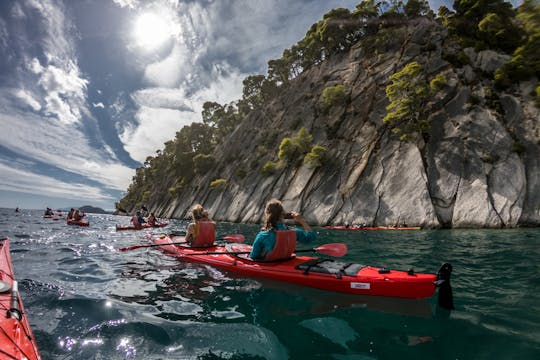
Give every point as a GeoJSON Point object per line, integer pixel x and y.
{"type": "Point", "coordinates": [78, 223]}
{"type": "Point", "coordinates": [367, 281]}
{"type": "Point", "coordinates": [145, 226]}
{"type": "Point", "coordinates": [370, 228]}
{"type": "Point", "coordinates": [16, 338]}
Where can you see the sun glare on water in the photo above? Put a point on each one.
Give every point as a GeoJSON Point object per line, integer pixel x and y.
{"type": "Point", "coordinates": [152, 30]}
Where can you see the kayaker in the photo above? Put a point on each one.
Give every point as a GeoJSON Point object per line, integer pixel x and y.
{"type": "Point", "coordinates": [77, 215]}
{"type": "Point", "coordinates": [70, 213]}
{"type": "Point", "coordinates": [49, 211]}
{"type": "Point", "coordinates": [151, 220]}
{"type": "Point", "coordinates": [202, 231]}
{"type": "Point", "coordinates": [137, 220]}
{"type": "Point", "coordinates": [276, 241]}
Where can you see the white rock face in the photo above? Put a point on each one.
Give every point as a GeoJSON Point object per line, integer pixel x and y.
{"type": "Point", "coordinates": [478, 167]}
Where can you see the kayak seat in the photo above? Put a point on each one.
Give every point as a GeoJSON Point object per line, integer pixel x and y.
{"type": "Point", "coordinates": [329, 266]}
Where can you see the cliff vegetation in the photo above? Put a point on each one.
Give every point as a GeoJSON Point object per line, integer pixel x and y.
{"type": "Point", "coordinates": [385, 114]}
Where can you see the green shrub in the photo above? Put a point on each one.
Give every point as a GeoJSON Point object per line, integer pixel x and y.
{"type": "Point", "coordinates": [291, 149]}
{"type": "Point", "coordinates": [146, 196]}
{"type": "Point", "coordinates": [203, 163]}
{"type": "Point", "coordinates": [218, 184]}
{"type": "Point", "coordinates": [333, 95]}
{"type": "Point", "coordinates": [316, 157]}
{"type": "Point", "coordinates": [538, 96]}
{"type": "Point", "coordinates": [269, 167]}
{"type": "Point", "coordinates": [438, 82]}
{"type": "Point", "coordinates": [287, 149]}
{"type": "Point", "coordinates": [303, 140]}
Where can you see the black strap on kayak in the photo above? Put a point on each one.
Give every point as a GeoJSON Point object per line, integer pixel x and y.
{"type": "Point", "coordinates": [310, 264]}
{"type": "Point", "coordinates": [330, 266]}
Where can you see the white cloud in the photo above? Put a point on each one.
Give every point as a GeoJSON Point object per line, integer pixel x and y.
{"type": "Point", "coordinates": [65, 147]}
{"type": "Point", "coordinates": [169, 71]}
{"type": "Point", "coordinates": [27, 99]}
{"type": "Point", "coordinates": [155, 127]}
{"type": "Point", "coordinates": [132, 4]}
{"type": "Point", "coordinates": [20, 180]}
{"type": "Point", "coordinates": [161, 98]}
{"type": "Point", "coordinates": [98, 105]}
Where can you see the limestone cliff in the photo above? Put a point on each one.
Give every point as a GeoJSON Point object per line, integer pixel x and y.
{"type": "Point", "coordinates": [479, 166]}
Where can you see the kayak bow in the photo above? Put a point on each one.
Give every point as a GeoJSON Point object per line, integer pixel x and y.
{"type": "Point", "coordinates": [16, 338]}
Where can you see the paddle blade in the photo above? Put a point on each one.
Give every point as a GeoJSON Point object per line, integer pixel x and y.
{"type": "Point", "coordinates": [236, 238]}
{"type": "Point", "coordinates": [132, 247]}
{"type": "Point", "coordinates": [335, 249]}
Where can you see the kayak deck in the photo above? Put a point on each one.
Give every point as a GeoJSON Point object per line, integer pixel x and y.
{"type": "Point", "coordinates": [325, 274]}
{"type": "Point", "coordinates": [16, 338]}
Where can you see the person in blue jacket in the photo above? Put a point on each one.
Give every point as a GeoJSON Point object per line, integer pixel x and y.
{"type": "Point", "coordinates": [275, 220]}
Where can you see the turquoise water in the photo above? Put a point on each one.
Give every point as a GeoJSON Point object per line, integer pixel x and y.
{"type": "Point", "coordinates": [85, 300]}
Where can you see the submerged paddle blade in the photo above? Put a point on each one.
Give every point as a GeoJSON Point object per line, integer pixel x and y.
{"type": "Point", "coordinates": [335, 249]}
{"type": "Point", "coordinates": [446, 298]}
{"type": "Point", "coordinates": [236, 238]}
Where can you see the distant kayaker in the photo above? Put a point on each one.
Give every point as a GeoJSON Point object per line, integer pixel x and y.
{"type": "Point", "coordinates": [49, 211]}
{"type": "Point", "coordinates": [77, 215]}
{"type": "Point", "coordinates": [202, 231]}
{"type": "Point", "coordinates": [276, 241]}
{"type": "Point", "coordinates": [151, 220]}
{"type": "Point", "coordinates": [137, 220]}
{"type": "Point", "coordinates": [70, 213]}
{"type": "Point", "coordinates": [17, 209]}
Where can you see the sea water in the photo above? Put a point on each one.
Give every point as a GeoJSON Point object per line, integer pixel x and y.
{"type": "Point", "coordinates": [87, 300]}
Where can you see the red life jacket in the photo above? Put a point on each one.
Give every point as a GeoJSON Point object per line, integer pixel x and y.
{"type": "Point", "coordinates": [204, 234]}
{"type": "Point", "coordinates": [135, 221]}
{"type": "Point", "coordinates": [284, 247]}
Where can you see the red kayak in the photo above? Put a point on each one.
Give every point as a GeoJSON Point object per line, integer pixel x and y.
{"type": "Point", "coordinates": [371, 228]}
{"type": "Point", "coordinates": [321, 273]}
{"type": "Point", "coordinates": [144, 226]}
{"type": "Point", "coordinates": [16, 338]}
{"type": "Point", "coordinates": [78, 223]}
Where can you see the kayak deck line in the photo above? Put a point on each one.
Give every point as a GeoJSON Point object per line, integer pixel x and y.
{"type": "Point", "coordinates": [325, 274]}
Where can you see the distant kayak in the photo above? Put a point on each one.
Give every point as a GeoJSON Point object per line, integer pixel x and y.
{"type": "Point", "coordinates": [372, 228]}
{"type": "Point", "coordinates": [321, 273]}
{"type": "Point", "coordinates": [145, 226]}
{"type": "Point", "coordinates": [78, 223]}
{"type": "Point", "coordinates": [16, 338]}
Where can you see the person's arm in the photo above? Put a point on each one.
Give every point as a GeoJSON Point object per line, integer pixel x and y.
{"type": "Point", "coordinates": [305, 235]}
{"type": "Point", "coordinates": [189, 233]}
{"type": "Point", "coordinates": [257, 250]}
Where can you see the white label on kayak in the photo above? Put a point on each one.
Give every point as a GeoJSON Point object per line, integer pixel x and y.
{"type": "Point", "coordinates": [363, 286]}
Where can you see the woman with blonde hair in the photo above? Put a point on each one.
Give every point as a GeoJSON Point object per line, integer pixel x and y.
{"type": "Point", "coordinates": [276, 241]}
{"type": "Point", "coordinates": [201, 232]}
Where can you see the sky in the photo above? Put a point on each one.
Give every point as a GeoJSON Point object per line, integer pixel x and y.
{"type": "Point", "coordinates": [90, 88]}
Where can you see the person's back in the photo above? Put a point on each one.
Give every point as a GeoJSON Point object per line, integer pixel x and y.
{"type": "Point", "coordinates": [204, 234]}
{"type": "Point", "coordinates": [137, 224]}
{"type": "Point", "coordinates": [275, 241]}
{"type": "Point", "coordinates": [284, 244]}
{"type": "Point", "coordinates": [202, 231]}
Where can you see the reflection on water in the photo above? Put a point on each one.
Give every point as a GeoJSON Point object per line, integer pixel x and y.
{"type": "Point", "coordinates": [85, 300]}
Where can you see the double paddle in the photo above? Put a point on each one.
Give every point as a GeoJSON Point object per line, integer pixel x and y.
{"type": "Point", "coordinates": [333, 249]}
{"type": "Point", "coordinates": [236, 238]}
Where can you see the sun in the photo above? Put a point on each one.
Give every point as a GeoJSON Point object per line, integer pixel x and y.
{"type": "Point", "coordinates": [152, 30]}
